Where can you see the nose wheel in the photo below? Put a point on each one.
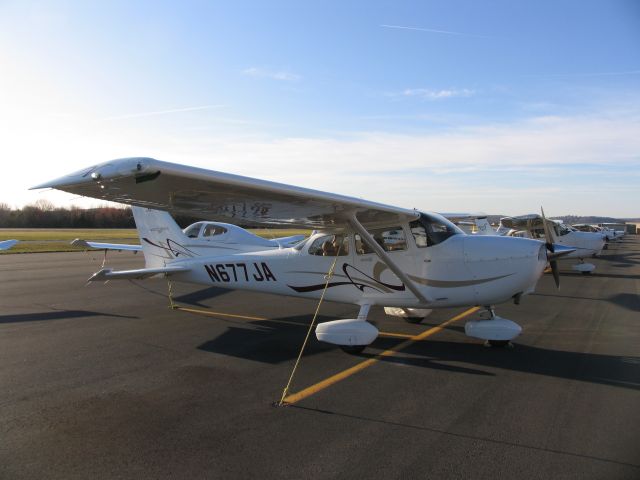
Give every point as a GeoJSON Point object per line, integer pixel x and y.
{"type": "Point", "coordinates": [353, 349]}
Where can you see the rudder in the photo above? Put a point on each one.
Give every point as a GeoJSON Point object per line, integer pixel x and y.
{"type": "Point", "coordinates": [161, 238]}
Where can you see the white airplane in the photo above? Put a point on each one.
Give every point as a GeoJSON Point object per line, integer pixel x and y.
{"type": "Point", "coordinates": [585, 244]}
{"type": "Point", "coordinates": [7, 244]}
{"type": "Point", "coordinates": [472, 223]}
{"type": "Point", "coordinates": [383, 255]}
{"type": "Point", "coordinates": [610, 231]}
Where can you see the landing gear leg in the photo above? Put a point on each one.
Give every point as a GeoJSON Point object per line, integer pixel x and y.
{"type": "Point", "coordinates": [495, 343]}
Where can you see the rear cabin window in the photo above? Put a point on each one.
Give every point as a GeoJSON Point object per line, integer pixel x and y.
{"type": "Point", "coordinates": [390, 239]}
{"type": "Point", "coordinates": [329, 246]}
{"type": "Point", "coordinates": [211, 230]}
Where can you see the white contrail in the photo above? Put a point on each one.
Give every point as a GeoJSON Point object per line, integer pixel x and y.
{"type": "Point", "coordinates": [589, 74]}
{"type": "Point", "coordinates": [162, 112]}
{"type": "Point", "coordinates": [431, 30]}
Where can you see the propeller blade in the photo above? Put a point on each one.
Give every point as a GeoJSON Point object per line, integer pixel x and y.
{"type": "Point", "coordinates": [555, 272]}
{"type": "Point", "coordinates": [548, 234]}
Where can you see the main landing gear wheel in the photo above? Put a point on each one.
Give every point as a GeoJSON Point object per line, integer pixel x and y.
{"type": "Point", "coordinates": [498, 343]}
{"type": "Point", "coordinates": [586, 273]}
{"type": "Point", "coordinates": [353, 349]}
{"type": "Point", "coordinates": [415, 320]}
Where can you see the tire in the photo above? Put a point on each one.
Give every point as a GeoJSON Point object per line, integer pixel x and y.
{"type": "Point", "coordinates": [353, 349]}
{"type": "Point", "coordinates": [586, 273]}
{"type": "Point", "coordinates": [414, 320]}
{"type": "Point", "coordinates": [498, 343]}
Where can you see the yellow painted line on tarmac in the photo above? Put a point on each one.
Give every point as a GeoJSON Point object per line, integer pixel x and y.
{"type": "Point", "coordinates": [313, 389]}
{"type": "Point", "coordinates": [394, 335]}
{"type": "Point", "coordinates": [217, 314]}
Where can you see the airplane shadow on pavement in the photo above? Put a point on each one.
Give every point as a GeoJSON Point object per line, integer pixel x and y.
{"type": "Point", "coordinates": [279, 340]}
{"type": "Point", "coordinates": [56, 315]}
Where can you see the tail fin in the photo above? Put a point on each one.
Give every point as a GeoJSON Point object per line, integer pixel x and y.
{"type": "Point", "coordinates": [483, 227]}
{"type": "Point", "coordinates": [161, 238]}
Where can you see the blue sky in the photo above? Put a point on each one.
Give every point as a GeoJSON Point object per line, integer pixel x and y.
{"type": "Point", "coordinates": [498, 106]}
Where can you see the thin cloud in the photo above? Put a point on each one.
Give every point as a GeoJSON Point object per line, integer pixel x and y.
{"type": "Point", "coordinates": [161, 112]}
{"type": "Point", "coordinates": [431, 94]}
{"type": "Point", "coordinates": [281, 75]}
{"type": "Point", "coordinates": [591, 74]}
{"type": "Point", "coordinates": [433, 30]}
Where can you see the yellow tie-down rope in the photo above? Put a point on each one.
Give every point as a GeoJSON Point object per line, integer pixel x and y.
{"type": "Point", "coordinates": [285, 392]}
{"type": "Point", "coordinates": [328, 277]}
{"type": "Point", "coordinates": [172, 304]}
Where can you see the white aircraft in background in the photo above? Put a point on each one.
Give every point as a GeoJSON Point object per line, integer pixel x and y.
{"type": "Point", "coordinates": [384, 255]}
{"type": "Point", "coordinates": [585, 244]}
{"type": "Point", "coordinates": [609, 233]}
{"type": "Point", "coordinates": [609, 230]}
{"type": "Point", "coordinates": [7, 244]}
{"type": "Point", "coordinates": [471, 223]}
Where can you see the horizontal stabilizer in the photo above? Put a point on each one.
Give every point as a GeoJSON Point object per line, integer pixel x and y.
{"type": "Point", "coordinates": [139, 274]}
{"type": "Point", "coordinates": [78, 242]}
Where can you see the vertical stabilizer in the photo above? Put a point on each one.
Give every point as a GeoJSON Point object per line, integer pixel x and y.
{"type": "Point", "coordinates": [161, 238]}
{"type": "Point", "coordinates": [483, 227]}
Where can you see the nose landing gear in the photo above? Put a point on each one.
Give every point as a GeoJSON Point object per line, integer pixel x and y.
{"type": "Point", "coordinates": [583, 267]}
{"type": "Point", "coordinates": [497, 331]}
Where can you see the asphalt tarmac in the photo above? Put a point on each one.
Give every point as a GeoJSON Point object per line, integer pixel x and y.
{"type": "Point", "coordinates": [106, 381]}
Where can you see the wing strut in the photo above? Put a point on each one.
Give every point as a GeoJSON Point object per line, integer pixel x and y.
{"type": "Point", "coordinates": [369, 240]}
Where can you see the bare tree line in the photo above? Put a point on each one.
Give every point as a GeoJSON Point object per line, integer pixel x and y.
{"type": "Point", "coordinates": [44, 214]}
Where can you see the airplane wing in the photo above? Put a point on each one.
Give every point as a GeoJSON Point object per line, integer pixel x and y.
{"type": "Point", "coordinates": [463, 217]}
{"type": "Point", "coordinates": [7, 244]}
{"type": "Point", "coordinates": [78, 242]}
{"type": "Point", "coordinates": [218, 196]}
{"type": "Point", "coordinates": [522, 221]}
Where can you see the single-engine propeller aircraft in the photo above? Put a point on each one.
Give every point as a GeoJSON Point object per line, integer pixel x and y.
{"type": "Point", "coordinates": [586, 244]}
{"type": "Point", "coordinates": [383, 255]}
{"type": "Point", "coordinates": [7, 244]}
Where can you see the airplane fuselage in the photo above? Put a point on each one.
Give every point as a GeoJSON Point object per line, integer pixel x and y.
{"type": "Point", "coordinates": [463, 270]}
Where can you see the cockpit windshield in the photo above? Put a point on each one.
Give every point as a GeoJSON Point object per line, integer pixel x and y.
{"type": "Point", "coordinates": [432, 229]}
{"type": "Point", "coordinates": [562, 229]}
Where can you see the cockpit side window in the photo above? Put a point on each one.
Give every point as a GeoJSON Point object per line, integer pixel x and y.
{"type": "Point", "coordinates": [391, 239]}
{"type": "Point", "coordinates": [329, 246]}
{"type": "Point", "coordinates": [211, 229]}
{"type": "Point", "coordinates": [430, 230]}
{"type": "Point", "coordinates": [193, 230]}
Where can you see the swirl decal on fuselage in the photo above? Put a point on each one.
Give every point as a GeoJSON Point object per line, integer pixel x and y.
{"type": "Point", "coordinates": [173, 248]}
{"type": "Point", "coordinates": [352, 281]}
